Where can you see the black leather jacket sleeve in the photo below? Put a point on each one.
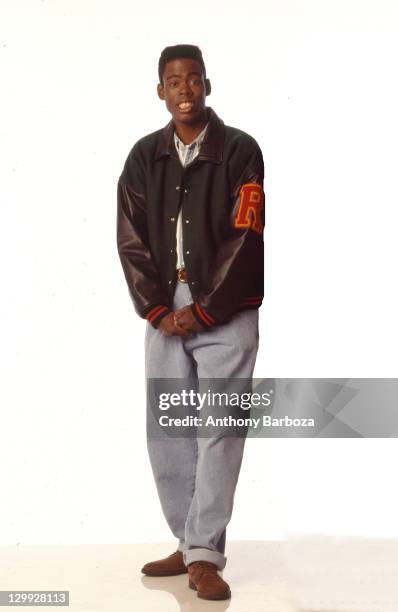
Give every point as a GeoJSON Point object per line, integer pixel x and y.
{"type": "Point", "coordinates": [238, 270]}
{"type": "Point", "coordinates": [142, 276]}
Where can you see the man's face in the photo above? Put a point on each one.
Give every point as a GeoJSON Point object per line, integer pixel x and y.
{"type": "Point", "coordinates": [184, 90]}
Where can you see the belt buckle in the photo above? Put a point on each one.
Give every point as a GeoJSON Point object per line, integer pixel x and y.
{"type": "Point", "coordinates": [182, 275]}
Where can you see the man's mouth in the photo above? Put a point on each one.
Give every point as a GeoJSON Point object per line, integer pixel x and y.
{"type": "Point", "coordinates": [185, 107]}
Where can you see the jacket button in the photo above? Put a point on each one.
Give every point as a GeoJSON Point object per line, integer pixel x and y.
{"type": "Point", "coordinates": [171, 250]}
{"type": "Point", "coordinates": [185, 190]}
{"type": "Point", "coordinates": [178, 188]}
{"type": "Point", "coordinates": [170, 282]}
{"type": "Point", "coordinates": [187, 252]}
{"type": "Point", "coordinates": [172, 218]}
{"type": "Point", "coordinates": [192, 282]}
{"type": "Point", "coordinates": [186, 220]}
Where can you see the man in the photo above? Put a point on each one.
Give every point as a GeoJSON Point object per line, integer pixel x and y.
{"type": "Point", "coordinates": [190, 224]}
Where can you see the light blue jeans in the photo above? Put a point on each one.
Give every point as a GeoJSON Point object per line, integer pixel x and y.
{"type": "Point", "coordinates": [196, 477]}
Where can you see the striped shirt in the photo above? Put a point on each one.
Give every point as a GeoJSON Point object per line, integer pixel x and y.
{"type": "Point", "coordinates": [187, 154]}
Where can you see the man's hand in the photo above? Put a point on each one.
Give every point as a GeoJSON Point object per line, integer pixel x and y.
{"type": "Point", "coordinates": [185, 319]}
{"type": "Point", "coordinates": [168, 326]}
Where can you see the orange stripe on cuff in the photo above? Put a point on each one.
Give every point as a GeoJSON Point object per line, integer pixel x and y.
{"type": "Point", "coordinates": [155, 312]}
{"type": "Point", "coordinates": [204, 315]}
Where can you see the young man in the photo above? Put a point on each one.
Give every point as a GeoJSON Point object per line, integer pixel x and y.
{"type": "Point", "coordinates": [190, 224]}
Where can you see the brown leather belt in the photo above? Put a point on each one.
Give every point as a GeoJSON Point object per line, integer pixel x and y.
{"type": "Point", "coordinates": [182, 275]}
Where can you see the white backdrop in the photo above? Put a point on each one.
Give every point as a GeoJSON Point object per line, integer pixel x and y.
{"type": "Point", "coordinates": [315, 83]}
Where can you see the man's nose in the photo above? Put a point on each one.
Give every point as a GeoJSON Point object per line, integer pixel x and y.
{"type": "Point", "coordinates": [185, 87]}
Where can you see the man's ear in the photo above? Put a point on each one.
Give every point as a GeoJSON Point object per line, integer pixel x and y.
{"type": "Point", "coordinates": [161, 91]}
{"type": "Point", "coordinates": [208, 87]}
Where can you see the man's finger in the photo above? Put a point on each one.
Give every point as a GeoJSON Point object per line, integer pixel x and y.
{"type": "Point", "coordinates": [179, 331]}
{"type": "Point", "coordinates": [181, 311]}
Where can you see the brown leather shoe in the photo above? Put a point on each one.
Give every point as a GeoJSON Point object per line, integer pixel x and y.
{"type": "Point", "coordinates": [204, 579]}
{"type": "Point", "coordinates": [173, 565]}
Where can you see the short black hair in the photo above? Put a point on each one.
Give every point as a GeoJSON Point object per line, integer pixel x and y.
{"type": "Point", "coordinates": [177, 52]}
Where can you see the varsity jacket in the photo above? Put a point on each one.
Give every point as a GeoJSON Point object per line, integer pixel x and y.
{"type": "Point", "coordinates": [220, 194]}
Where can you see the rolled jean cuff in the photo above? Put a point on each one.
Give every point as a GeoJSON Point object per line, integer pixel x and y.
{"type": "Point", "coordinates": [204, 554]}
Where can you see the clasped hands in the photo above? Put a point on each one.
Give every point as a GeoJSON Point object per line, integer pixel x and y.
{"type": "Point", "coordinates": [181, 322]}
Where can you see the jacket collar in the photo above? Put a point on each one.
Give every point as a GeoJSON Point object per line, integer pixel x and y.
{"type": "Point", "coordinates": [212, 147]}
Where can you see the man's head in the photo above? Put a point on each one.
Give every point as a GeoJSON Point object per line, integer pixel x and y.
{"type": "Point", "coordinates": [183, 83]}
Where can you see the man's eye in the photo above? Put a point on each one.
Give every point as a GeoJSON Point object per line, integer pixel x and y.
{"type": "Point", "coordinates": [195, 81]}
{"type": "Point", "coordinates": [173, 83]}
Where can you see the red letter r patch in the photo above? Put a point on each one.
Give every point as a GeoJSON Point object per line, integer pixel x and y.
{"type": "Point", "coordinates": [250, 207]}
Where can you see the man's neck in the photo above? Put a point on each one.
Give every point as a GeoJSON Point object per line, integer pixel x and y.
{"type": "Point", "coordinates": [187, 132]}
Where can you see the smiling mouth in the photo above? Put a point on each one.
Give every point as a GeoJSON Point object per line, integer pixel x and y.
{"type": "Point", "coordinates": [185, 107]}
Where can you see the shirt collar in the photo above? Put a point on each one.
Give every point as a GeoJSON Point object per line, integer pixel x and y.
{"type": "Point", "coordinates": [196, 142]}
{"type": "Point", "coordinates": [212, 147]}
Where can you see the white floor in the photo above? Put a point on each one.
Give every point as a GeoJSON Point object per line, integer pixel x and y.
{"type": "Point", "coordinates": [303, 575]}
